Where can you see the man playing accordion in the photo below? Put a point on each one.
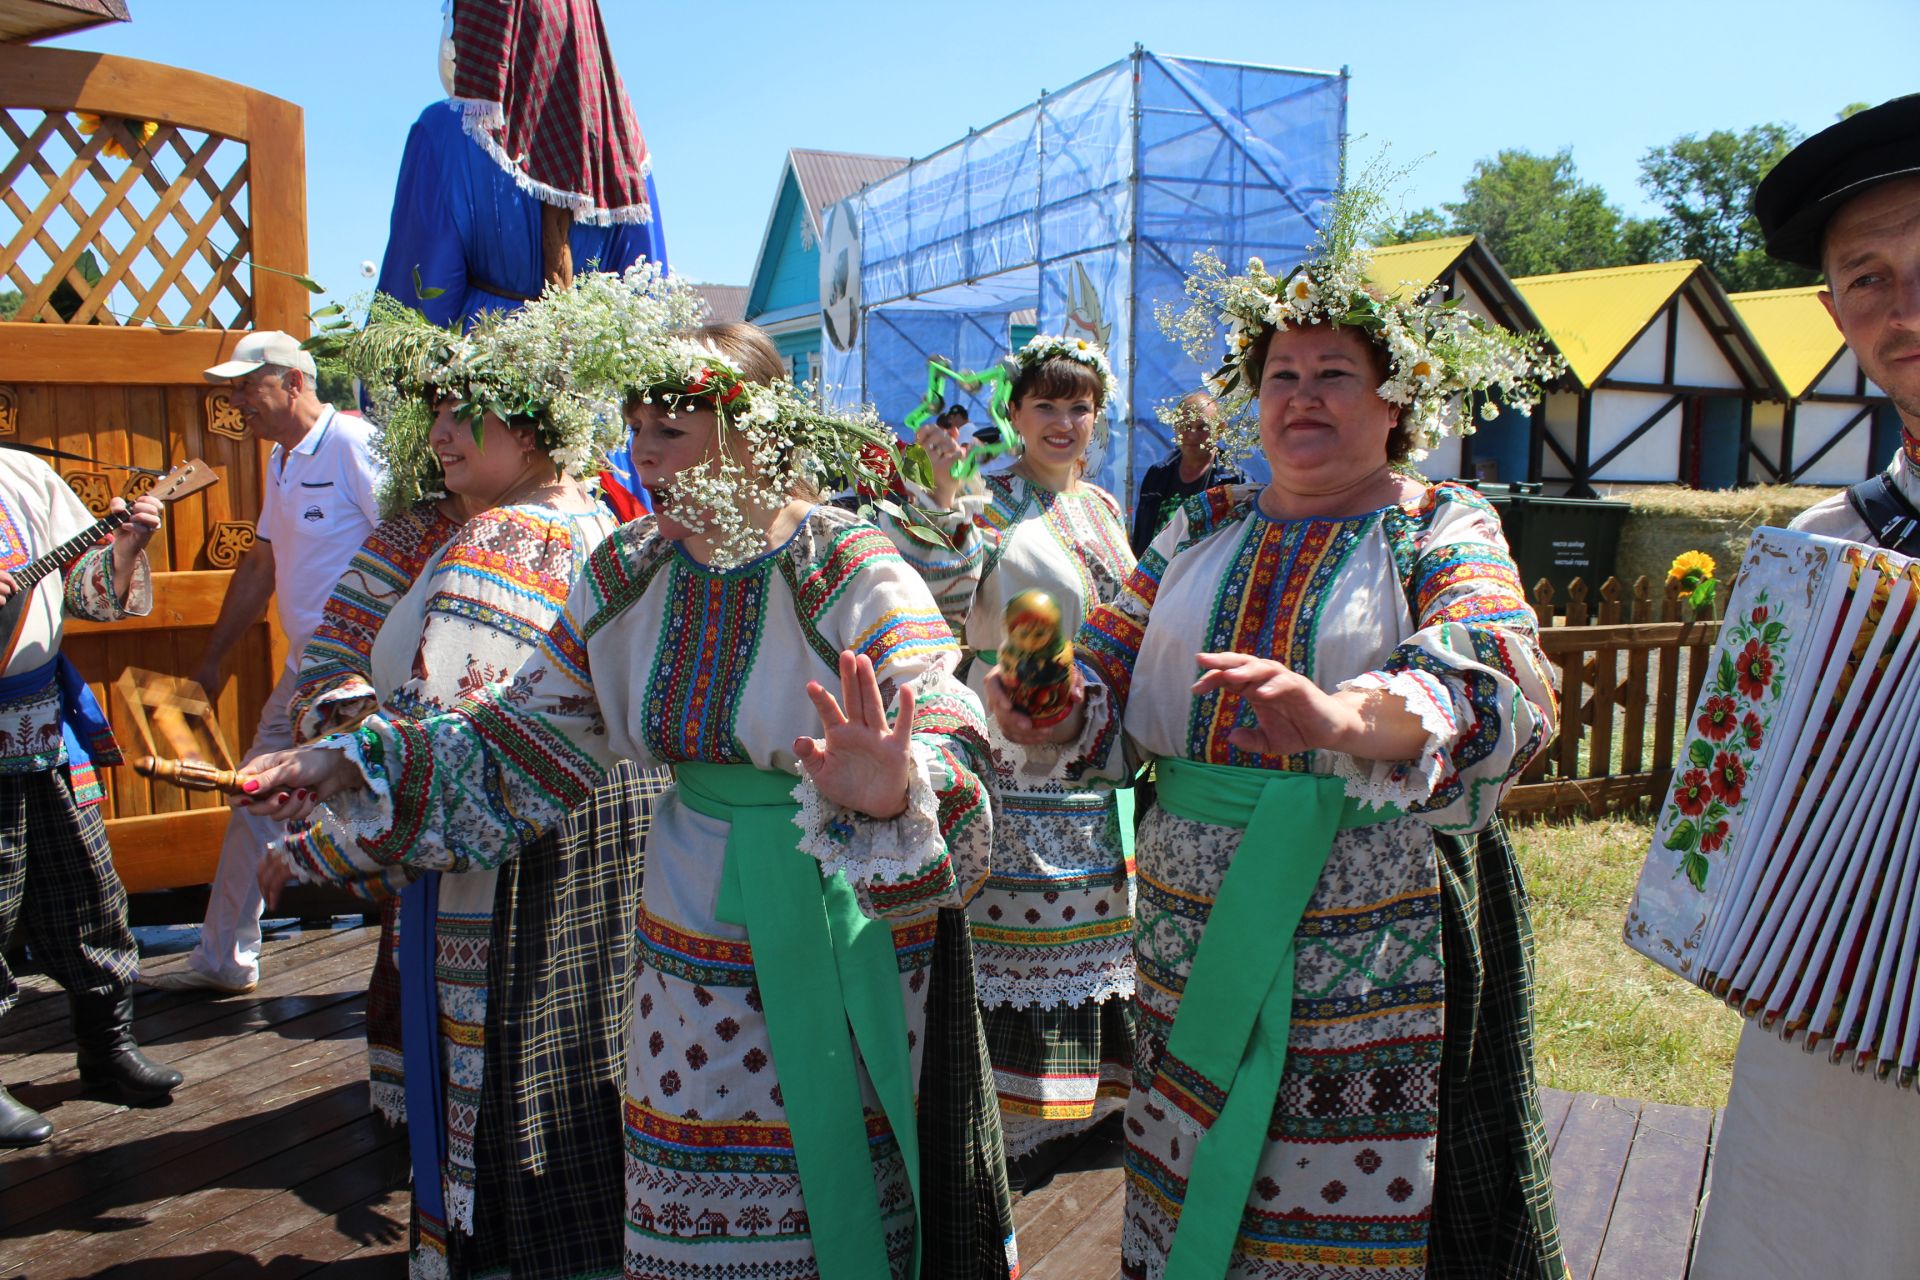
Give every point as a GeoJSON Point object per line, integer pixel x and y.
{"type": "Point", "coordinates": [1815, 1170]}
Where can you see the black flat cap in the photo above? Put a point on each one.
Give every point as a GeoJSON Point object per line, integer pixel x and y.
{"type": "Point", "coordinates": [1812, 181]}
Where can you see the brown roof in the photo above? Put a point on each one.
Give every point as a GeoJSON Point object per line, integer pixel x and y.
{"type": "Point", "coordinates": [22, 20]}
{"type": "Point", "coordinates": [828, 177]}
{"type": "Point", "coordinates": [726, 303]}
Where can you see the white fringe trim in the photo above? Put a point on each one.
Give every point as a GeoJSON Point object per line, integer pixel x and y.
{"type": "Point", "coordinates": [425, 1264]}
{"type": "Point", "coordinates": [390, 1100]}
{"type": "Point", "coordinates": [1113, 982]}
{"type": "Point", "coordinates": [481, 118]}
{"type": "Point", "coordinates": [459, 1199]}
{"type": "Point", "coordinates": [1379, 783]}
{"type": "Point", "coordinates": [876, 852]}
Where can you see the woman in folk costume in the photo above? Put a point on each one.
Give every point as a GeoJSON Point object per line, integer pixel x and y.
{"type": "Point", "coordinates": [1052, 930]}
{"type": "Point", "coordinates": [512, 974]}
{"type": "Point", "coordinates": [1337, 678]}
{"type": "Point", "coordinates": [788, 917]}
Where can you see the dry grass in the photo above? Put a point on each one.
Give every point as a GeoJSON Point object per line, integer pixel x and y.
{"type": "Point", "coordinates": [1609, 1020]}
{"type": "Point", "coordinates": [1755, 505]}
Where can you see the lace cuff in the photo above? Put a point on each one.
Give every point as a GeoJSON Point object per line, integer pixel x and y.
{"type": "Point", "coordinates": [1380, 783]}
{"type": "Point", "coordinates": [874, 854]}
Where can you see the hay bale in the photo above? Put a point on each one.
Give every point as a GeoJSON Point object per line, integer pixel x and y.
{"type": "Point", "coordinates": [1668, 519]}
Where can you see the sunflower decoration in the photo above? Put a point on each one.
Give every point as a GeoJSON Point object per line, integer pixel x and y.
{"type": "Point", "coordinates": [141, 131]}
{"type": "Point", "coordinates": [1692, 572]}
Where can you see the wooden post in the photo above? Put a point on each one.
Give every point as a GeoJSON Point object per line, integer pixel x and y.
{"type": "Point", "coordinates": [556, 245]}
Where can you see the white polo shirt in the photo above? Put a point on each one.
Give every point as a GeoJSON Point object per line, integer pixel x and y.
{"type": "Point", "coordinates": [318, 510]}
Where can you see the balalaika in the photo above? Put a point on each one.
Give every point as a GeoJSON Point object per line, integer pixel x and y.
{"type": "Point", "coordinates": [188, 477]}
{"type": "Point", "coordinates": [1785, 870]}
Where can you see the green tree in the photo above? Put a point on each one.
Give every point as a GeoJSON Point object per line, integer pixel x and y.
{"type": "Point", "coordinates": [1703, 186]}
{"type": "Point", "coordinates": [1421, 224]}
{"type": "Point", "coordinates": [1537, 215]}
{"type": "Point", "coordinates": [10, 300]}
{"type": "Point", "coordinates": [1533, 212]}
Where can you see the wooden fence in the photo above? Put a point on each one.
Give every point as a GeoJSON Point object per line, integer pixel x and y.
{"type": "Point", "coordinates": [1630, 668]}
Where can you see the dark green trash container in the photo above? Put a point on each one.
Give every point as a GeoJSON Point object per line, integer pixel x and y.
{"type": "Point", "coordinates": [1558, 539]}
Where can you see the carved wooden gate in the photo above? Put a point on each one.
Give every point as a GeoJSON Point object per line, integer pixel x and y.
{"type": "Point", "coordinates": [134, 199]}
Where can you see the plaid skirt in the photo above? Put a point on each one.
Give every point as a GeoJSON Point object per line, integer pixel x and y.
{"type": "Point", "coordinates": [1493, 1214]}
{"type": "Point", "coordinates": [1059, 1070]}
{"type": "Point", "coordinates": [966, 1219]}
{"type": "Point", "coordinates": [548, 1159]}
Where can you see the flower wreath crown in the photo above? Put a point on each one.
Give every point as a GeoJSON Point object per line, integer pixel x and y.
{"type": "Point", "coordinates": [1043, 347]}
{"type": "Point", "coordinates": [1444, 363]}
{"type": "Point", "coordinates": [789, 440]}
{"type": "Point", "coordinates": [560, 360]}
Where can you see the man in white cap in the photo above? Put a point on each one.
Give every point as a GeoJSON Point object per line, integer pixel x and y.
{"type": "Point", "coordinates": [319, 506]}
{"type": "Point", "coordinates": [1815, 1167]}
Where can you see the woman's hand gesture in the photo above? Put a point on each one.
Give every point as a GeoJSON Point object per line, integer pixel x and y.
{"type": "Point", "coordinates": [861, 764]}
{"type": "Point", "coordinates": [1290, 712]}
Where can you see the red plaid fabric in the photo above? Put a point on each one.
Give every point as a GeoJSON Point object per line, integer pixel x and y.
{"type": "Point", "coordinates": [543, 97]}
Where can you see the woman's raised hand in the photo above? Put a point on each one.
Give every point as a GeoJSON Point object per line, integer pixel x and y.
{"type": "Point", "coordinates": [287, 785]}
{"type": "Point", "coordinates": [1018, 727]}
{"type": "Point", "coordinates": [943, 451]}
{"type": "Point", "coordinates": [861, 763]}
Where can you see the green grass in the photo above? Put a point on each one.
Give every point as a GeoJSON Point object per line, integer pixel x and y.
{"type": "Point", "coordinates": [1609, 1020]}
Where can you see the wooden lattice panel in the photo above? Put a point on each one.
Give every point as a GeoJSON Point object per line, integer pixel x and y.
{"type": "Point", "coordinates": [128, 224]}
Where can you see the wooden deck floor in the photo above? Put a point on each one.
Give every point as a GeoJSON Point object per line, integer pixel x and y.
{"type": "Point", "coordinates": [266, 1162]}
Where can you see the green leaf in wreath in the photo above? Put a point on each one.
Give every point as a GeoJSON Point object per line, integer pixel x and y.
{"type": "Point", "coordinates": [1773, 633]}
{"type": "Point", "coordinates": [1685, 837]}
{"type": "Point", "coordinates": [1725, 678]}
{"type": "Point", "coordinates": [1716, 811]}
{"type": "Point", "coordinates": [1696, 867]}
{"type": "Point", "coordinates": [421, 291]}
{"type": "Point", "coordinates": [1700, 752]}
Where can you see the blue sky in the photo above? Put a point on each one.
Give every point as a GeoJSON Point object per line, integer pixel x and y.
{"type": "Point", "coordinates": [723, 88]}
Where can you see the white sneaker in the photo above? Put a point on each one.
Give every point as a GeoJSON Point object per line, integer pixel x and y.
{"type": "Point", "coordinates": [193, 980]}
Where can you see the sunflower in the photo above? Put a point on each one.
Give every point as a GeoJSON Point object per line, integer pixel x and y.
{"type": "Point", "coordinates": [1688, 563]}
{"type": "Point", "coordinates": [142, 131]}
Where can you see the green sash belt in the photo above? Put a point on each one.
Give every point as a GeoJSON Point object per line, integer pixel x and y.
{"type": "Point", "coordinates": [1237, 1009]}
{"type": "Point", "coordinates": [822, 964]}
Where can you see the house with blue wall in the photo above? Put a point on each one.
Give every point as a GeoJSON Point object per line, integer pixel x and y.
{"type": "Point", "coordinates": [784, 296]}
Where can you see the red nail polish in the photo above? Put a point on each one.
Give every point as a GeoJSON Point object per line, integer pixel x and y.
{"type": "Point", "coordinates": [250, 786]}
{"type": "Point", "coordinates": [281, 798]}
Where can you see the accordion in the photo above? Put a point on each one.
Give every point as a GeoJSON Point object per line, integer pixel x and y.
{"type": "Point", "coordinates": [1784, 875]}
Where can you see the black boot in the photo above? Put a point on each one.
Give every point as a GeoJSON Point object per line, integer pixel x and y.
{"type": "Point", "coordinates": [21, 1125]}
{"type": "Point", "coordinates": [103, 1024]}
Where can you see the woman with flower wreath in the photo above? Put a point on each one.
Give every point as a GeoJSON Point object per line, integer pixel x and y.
{"type": "Point", "coordinates": [511, 975]}
{"type": "Point", "coordinates": [1337, 677]}
{"type": "Point", "coordinates": [1053, 959]}
{"type": "Point", "coordinates": [793, 879]}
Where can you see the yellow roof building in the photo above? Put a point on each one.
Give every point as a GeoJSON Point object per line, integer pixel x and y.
{"type": "Point", "coordinates": [1793, 328]}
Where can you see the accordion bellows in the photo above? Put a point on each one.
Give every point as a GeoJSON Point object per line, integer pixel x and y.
{"type": "Point", "coordinates": [1782, 876]}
